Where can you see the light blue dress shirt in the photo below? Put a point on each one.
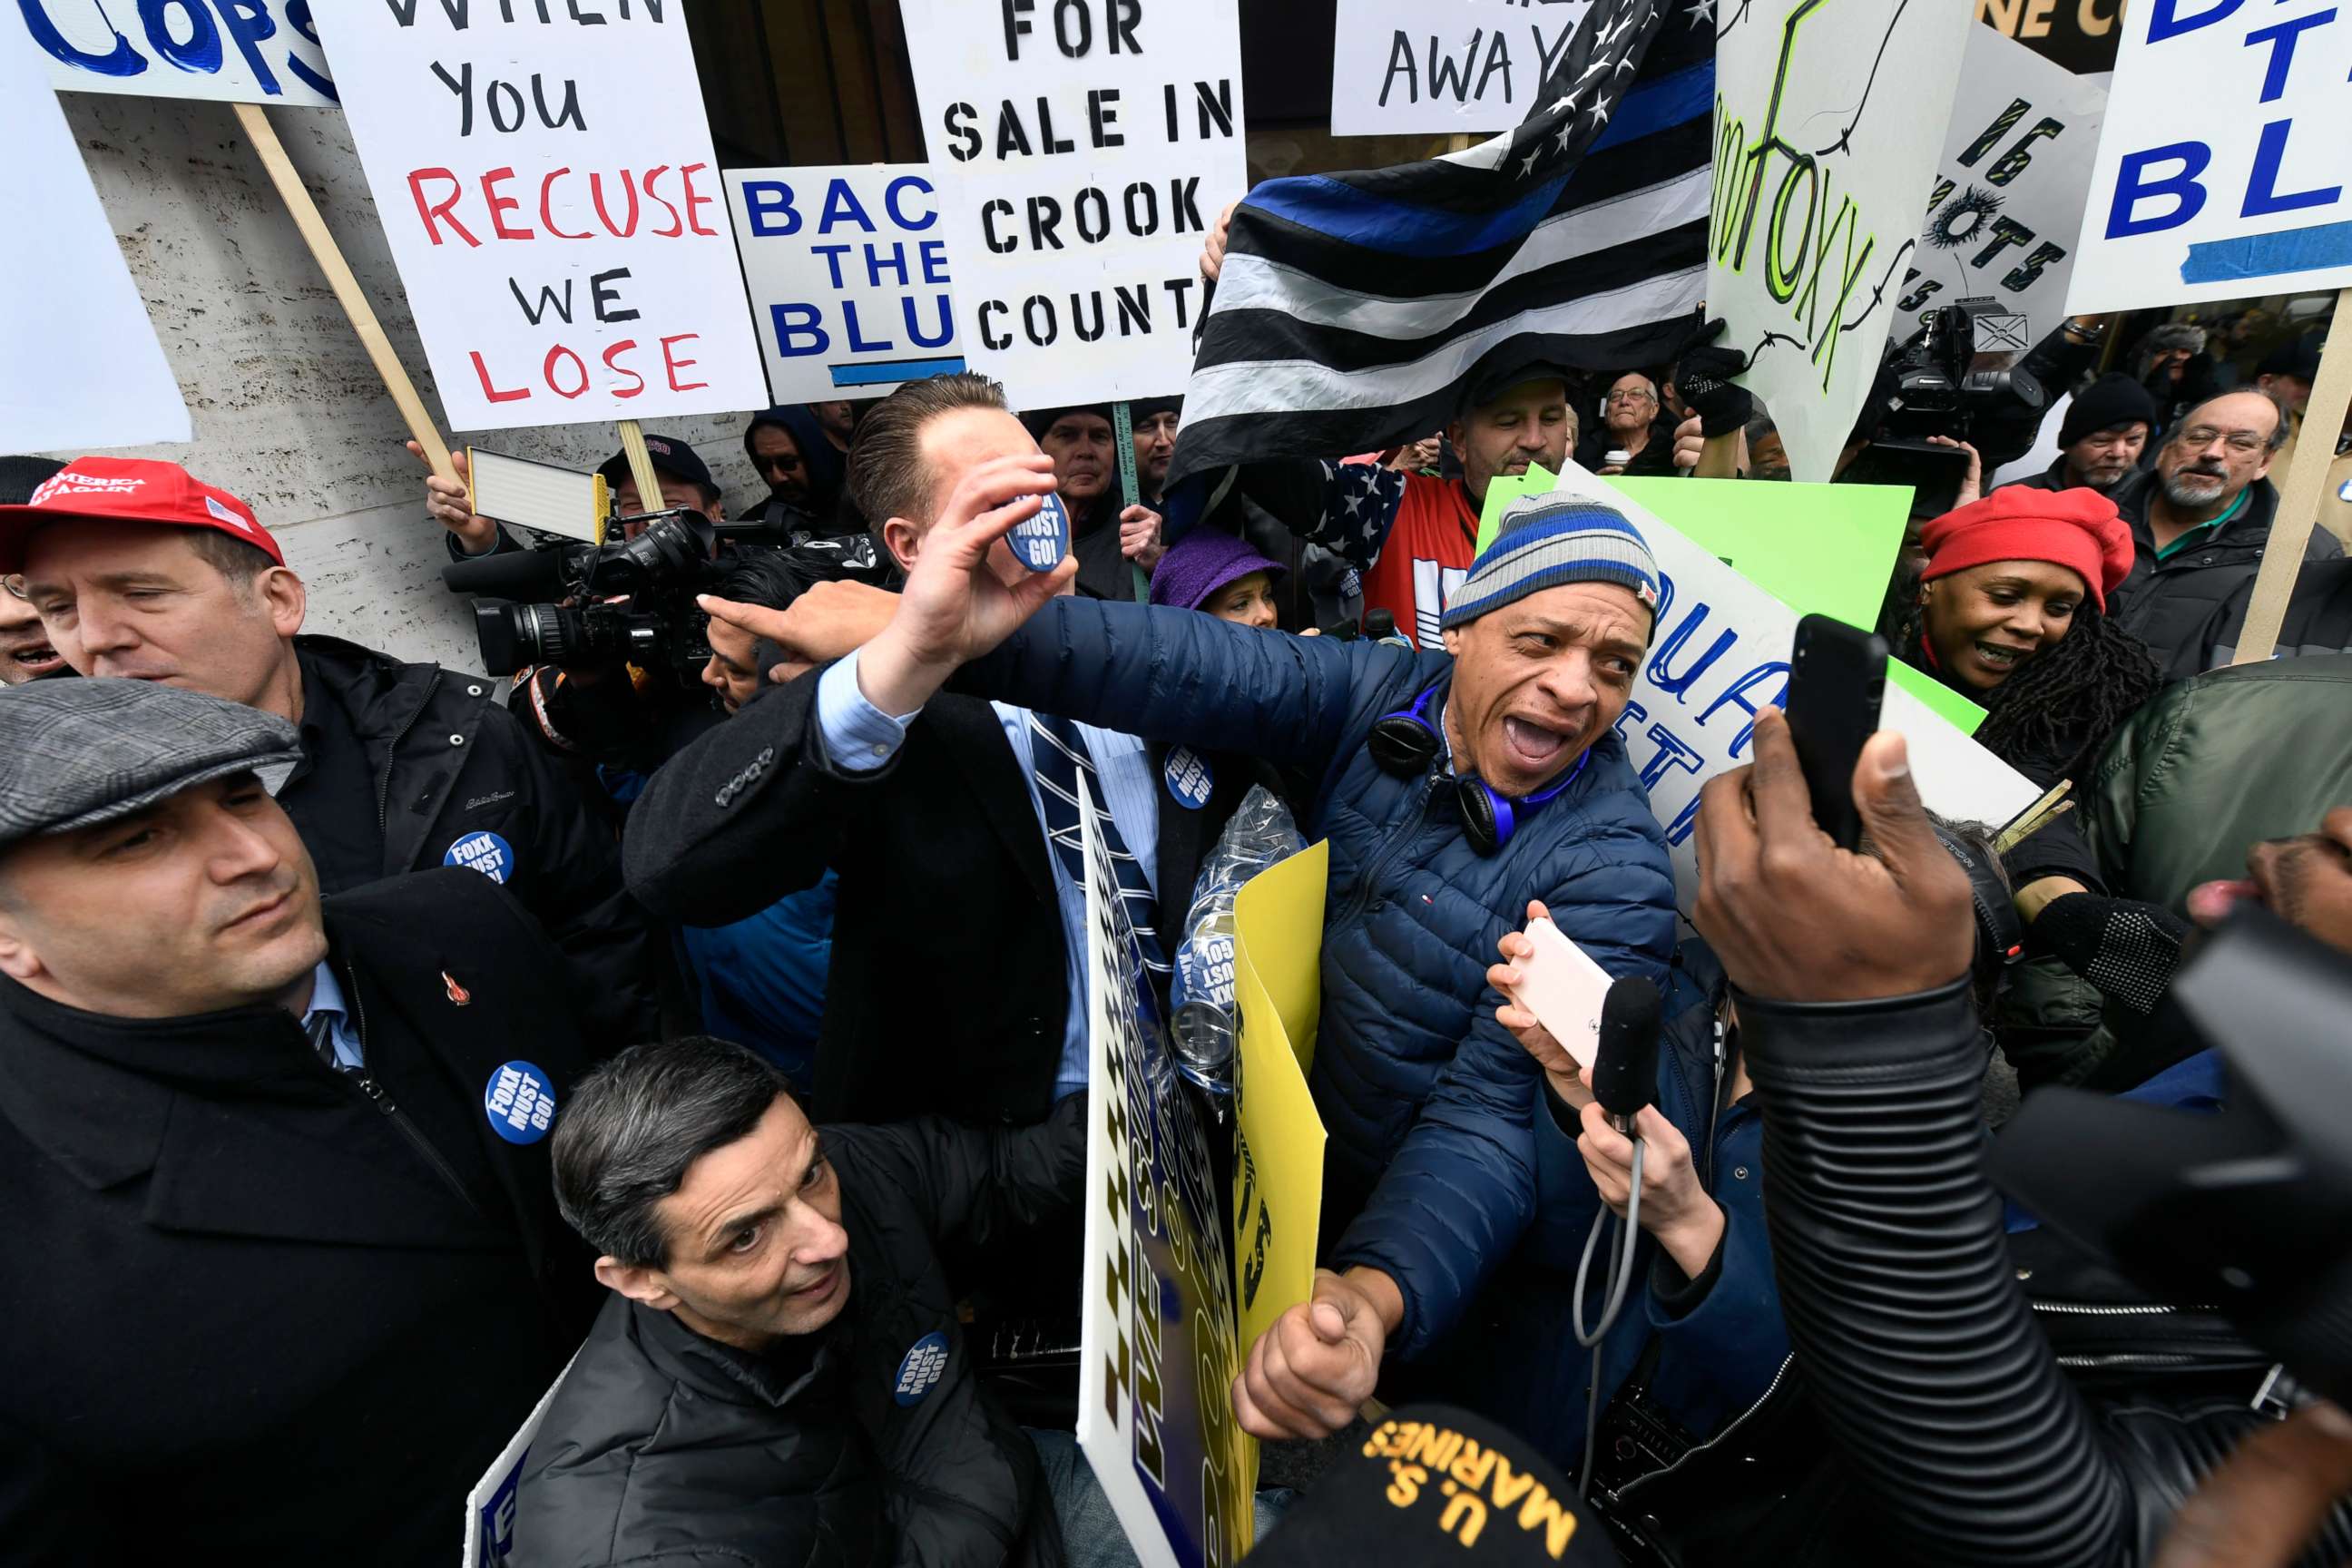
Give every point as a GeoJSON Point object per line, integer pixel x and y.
{"type": "Point", "coordinates": [327, 999]}
{"type": "Point", "coordinates": [860, 737]}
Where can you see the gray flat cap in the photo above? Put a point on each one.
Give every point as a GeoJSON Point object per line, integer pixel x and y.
{"type": "Point", "coordinates": [74, 753]}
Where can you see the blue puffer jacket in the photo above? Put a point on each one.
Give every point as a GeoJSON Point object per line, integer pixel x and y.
{"type": "Point", "coordinates": [1408, 1042]}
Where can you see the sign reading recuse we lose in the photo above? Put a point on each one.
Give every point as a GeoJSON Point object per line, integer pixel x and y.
{"type": "Point", "coordinates": [1081, 149]}
{"type": "Point", "coordinates": [545, 178]}
{"type": "Point", "coordinates": [848, 274]}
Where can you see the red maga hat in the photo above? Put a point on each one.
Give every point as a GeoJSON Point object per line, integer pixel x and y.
{"type": "Point", "coordinates": [129, 490]}
{"type": "Point", "coordinates": [2078, 529]}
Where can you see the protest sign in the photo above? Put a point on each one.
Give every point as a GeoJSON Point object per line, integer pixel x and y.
{"type": "Point", "coordinates": [1818, 549]}
{"type": "Point", "coordinates": [1157, 1357]}
{"type": "Point", "coordinates": [1082, 148]}
{"type": "Point", "coordinates": [2008, 201]}
{"type": "Point", "coordinates": [490, 1506]}
{"type": "Point", "coordinates": [79, 365]}
{"type": "Point", "coordinates": [1278, 1155]}
{"type": "Point", "coordinates": [2222, 171]}
{"type": "Point", "coordinates": [1719, 653]}
{"type": "Point", "coordinates": [848, 276]}
{"type": "Point", "coordinates": [2079, 36]}
{"type": "Point", "coordinates": [1828, 123]}
{"type": "Point", "coordinates": [547, 186]}
{"type": "Point", "coordinates": [240, 51]}
{"type": "Point", "coordinates": [1404, 67]}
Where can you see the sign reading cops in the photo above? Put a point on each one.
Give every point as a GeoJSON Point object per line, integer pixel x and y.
{"type": "Point", "coordinates": [239, 51]}
{"type": "Point", "coordinates": [848, 273]}
{"type": "Point", "coordinates": [1081, 149]}
{"type": "Point", "coordinates": [2221, 173]}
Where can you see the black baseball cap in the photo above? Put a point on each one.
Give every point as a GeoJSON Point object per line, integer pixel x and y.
{"type": "Point", "coordinates": [1435, 1484]}
{"type": "Point", "coordinates": [671, 456]}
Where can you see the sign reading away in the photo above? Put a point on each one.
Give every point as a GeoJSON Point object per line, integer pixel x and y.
{"type": "Point", "coordinates": [1403, 66]}
{"type": "Point", "coordinates": [1828, 120]}
{"type": "Point", "coordinates": [547, 188]}
{"type": "Point", "coordinates": [1157, 1352]}
{"type": "Point", "coordinates": [1081, 149]}
{"type": "Point", "coordinates": [848, 276]}
{"type": "Point", "coordinates": [79, 365]}
{"type": "Point", "coordinates": [2004, 209]}
{"type": "Point", "coordinates": [239, 51]}
{"type": "Point", "coordinates": [2223, 170]}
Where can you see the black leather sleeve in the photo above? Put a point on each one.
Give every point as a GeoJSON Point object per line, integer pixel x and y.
{"type": "Point", "coordinates": [1931, 1377]}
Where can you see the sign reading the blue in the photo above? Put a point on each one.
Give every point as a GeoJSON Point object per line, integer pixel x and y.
{"type": "Point", "coordinates": [848, 273]}
{"type": "Point", "coordinates": [238, 51]}
{"type": "Point", "coordinates": [2222, 171]}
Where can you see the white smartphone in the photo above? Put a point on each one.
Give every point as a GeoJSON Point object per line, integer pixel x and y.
{"type": "Point", "coordinates": [1564, 989]}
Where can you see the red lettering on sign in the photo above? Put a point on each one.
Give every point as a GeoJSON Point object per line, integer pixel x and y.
{"type": "Point", "coordinates": [429, 211]}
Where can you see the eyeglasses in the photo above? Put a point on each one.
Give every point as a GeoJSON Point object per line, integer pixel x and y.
{"type": "Point", "coordinates": [1632, 398]}
{"type": "Point", "coordinates": [2200, 437]}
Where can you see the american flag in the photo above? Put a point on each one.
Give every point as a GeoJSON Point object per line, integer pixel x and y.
{"type": "Point", "coordinates": [1352, 309]}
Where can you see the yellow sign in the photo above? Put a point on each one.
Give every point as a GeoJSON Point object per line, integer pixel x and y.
{"type": "Point", "coordinates": [1278, 1168]}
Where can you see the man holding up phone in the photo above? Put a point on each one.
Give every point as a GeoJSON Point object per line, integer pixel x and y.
{"type": "Point", "coordinates": [1454, 787]}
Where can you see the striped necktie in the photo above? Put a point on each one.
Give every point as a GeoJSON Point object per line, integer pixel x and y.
{"type": "Point", "coordinates": [1058, 753]}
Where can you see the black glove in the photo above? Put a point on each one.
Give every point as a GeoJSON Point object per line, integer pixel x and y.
{"type": "Point", "coordinates": [2127, 950]}
{"type": "Point", "coordinates": [1702, 375]}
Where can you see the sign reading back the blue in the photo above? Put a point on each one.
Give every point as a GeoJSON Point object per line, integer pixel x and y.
{"type": "Point", "coordinates": [848, 272]}
{"type": "Point", "coordinates": [238, 51]}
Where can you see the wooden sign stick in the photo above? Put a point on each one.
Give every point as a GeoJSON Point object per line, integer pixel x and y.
{"type": "Point", "coordinates": [330, 257]}
{"type": "Point", "coordinates": [641, 466]}
{"type": "Point", "coordinates": [2298, 511]}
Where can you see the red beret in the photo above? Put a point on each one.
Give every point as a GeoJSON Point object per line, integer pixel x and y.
{"type": "Point", "coordinates": [2077, 529]}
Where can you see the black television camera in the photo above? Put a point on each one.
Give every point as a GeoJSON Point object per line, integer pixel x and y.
{"type": "Point", "coordinates": [1963, 365]}
{"type": "Point", "coordinates": [650, 581]}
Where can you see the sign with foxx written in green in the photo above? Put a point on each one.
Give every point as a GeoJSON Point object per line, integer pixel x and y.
{"type": "Point", "coordinates": [1829, 120]}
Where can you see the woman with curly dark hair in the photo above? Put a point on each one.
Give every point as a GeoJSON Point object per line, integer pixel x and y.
{"type": "Point", "coordinates": [2011, 614]}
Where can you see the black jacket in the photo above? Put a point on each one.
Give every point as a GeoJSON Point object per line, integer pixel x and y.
{"type": "Point", "coordinates": [249, 1318]}
{"type": "Point", "coordinates": [869, 1441]}
{"type": "Point", "coordinates": [450, 765]}
{"type": "Point", "coordinates": [948, 992]}
{"type": "Point", "coordinates": [2168, 604]}
{"type": "Point", "coordinates": [1927, 1367]}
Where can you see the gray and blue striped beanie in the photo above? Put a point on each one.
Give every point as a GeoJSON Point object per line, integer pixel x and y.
{"type": "Point", "coordinates": [1543, 541]}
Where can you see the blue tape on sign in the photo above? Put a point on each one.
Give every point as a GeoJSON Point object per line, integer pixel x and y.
{"type": "Point", "coordinates": [2268, 255]}
{"type": "Point", "coordinates": [875, 372]}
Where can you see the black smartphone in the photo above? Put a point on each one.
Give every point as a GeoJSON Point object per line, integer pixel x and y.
{"type": "Point", "coordinates": [1837, 677]}
{"type": "Point", "coordinates": [1932, 473]}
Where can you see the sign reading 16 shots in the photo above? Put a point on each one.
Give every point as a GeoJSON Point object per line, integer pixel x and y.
{"type": "Point", "coordinates": [1082, 148]}
{"type": "Point", "coordinates": [848, 276]}
{"type": "Point", "coordinates": [2222, 172]}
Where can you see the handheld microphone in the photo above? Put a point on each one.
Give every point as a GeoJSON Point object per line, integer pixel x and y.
{"type": "Point", "coordinates": [1625, 1059]}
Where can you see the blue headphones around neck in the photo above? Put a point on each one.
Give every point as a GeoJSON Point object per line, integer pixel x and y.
{"type": "Point", "coordinates": [1406, 743]}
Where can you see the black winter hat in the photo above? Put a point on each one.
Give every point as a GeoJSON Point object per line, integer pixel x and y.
{"type": "Point", "coordinates": [1439, 1485]}
{"type": "Point", "coordinates": [2114, 399]}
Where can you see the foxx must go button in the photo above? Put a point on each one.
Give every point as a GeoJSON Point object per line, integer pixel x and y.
{"type": "Point", "coordinates": [520, 1101]}
{"type": "Point", "coordinates": [485, 852]}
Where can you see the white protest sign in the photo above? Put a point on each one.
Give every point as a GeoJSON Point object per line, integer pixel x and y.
{"type": "Point", "coordinates": [2222, 172]}
{"type": "Point", "coordinates": [1159, 1349]}
{"type": "Point", "coordinates": [551, 197]}
{"type": "Point", "coordinates": [490, 1506]}
{"type": "Point", "coordinates": [238, 51]}
{"type": "Point", "coordinates": [1719, 653]}
{"type": "Point", "coordinates": [1828, 121]}
{"type": "Point", "coordinates": [79, 365]}
{"type": "Point", "coordinates": [2004, 209]}
{"type": "Point", "coordinates": [848, 274]}
{"type": "Point", "coordinates": [1081, 149]}
{"type": "Point", "coordinates": [1472, 67]}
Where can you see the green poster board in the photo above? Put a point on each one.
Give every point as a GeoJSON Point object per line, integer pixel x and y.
{"type": "Point", "coordinates": [1818, 549]}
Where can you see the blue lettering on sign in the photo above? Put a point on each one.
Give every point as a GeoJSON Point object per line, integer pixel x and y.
{"type": "Point", "coordinates": [190, 36]}
{"type": "Point", "coordinates": [926, 1362]}
{"type": "Point", "coordinates": [880, 298]}
{"type": "Point", "coordinates": [520, 1101]}
{"type": "Point", "coordinates": [1188, 778]}
{"type": "Point", "coordinates": [485, 852]}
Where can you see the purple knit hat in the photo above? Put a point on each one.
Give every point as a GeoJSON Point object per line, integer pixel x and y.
{"type": "Point", "coordinates": [1202, 562]}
